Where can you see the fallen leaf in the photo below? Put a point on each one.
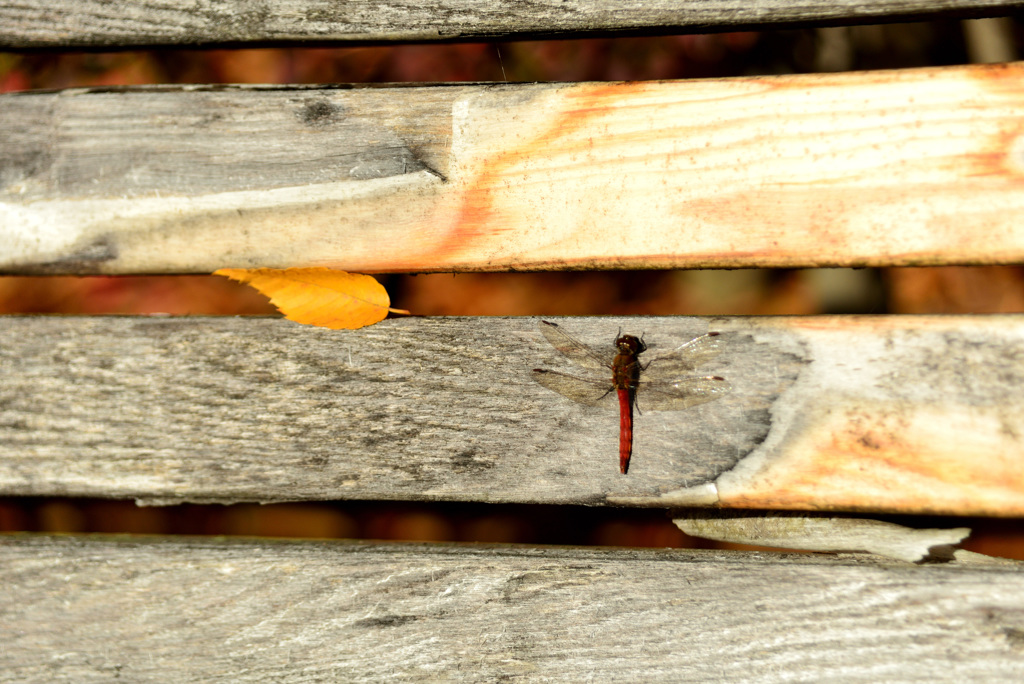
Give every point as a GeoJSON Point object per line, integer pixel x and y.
{"type": "Point", "coordinates": [319, 296]}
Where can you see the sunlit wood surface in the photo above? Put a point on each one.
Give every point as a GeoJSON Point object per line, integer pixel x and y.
{"type": "Point", "coordinates": [887, 413]}
{"type": "Point", "coordinates": [869, 168]}
{"type": "Point", "coordinates": [95, 609]}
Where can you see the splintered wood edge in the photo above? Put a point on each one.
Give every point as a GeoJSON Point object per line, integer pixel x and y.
{"type": "Point", "coordinates": [821, 532]}
{"type": "Point", "coordinates": [82, 23]}
{"type": "Point", "coordinates": [902, 167]}
{"type": "Point", "coordinates": [895, 414]}
{"type": "Point", "coordinates": [138, 608]}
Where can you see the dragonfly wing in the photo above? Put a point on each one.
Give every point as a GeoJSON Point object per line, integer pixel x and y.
{"type": "Point", "coordinates": [686, 357]}
{"type": "Point", "coordinates": [680, 394]}
{"type": "Point", "coordinates": [589, 392]}
{"type": "Point", "coordinates": [573, 348]}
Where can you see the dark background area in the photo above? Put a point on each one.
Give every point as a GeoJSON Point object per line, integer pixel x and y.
{"type": "Point", "coordinates": [741, 292]}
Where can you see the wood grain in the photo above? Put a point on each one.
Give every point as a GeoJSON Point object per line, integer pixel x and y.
{"type": "Point", "coordinates": [98, 24]}
{"type": "Point", "coordinates": [94, 609]}
{"type": "Point", "coordinates": [869, 168]}
{"type": "Point", "coordinates": [887, 413]}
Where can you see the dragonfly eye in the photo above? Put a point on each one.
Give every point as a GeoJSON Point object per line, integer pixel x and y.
{"type": "Point", "coordinates": [630, 344]}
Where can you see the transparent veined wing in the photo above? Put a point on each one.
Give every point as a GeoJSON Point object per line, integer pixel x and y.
{"type": "Point", "coordinates": [589, 392]}
{"type": "Point", "coordinates": [679, 394]}
{"type": "Point", "coordinates": [685, 358]}
{"type": "Point", "coordinates": [572, 348]}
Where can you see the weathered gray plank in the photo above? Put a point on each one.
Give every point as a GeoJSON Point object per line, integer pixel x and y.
{"type": "Point", "coordinates": [93, 609]}
{"type": "Point", "coordinates": [912, 414]}
{"type": "Point", "coordinates": [95, 23]}
{"type": "Point", "coordinates": [92, 177]}
{"type": "Point", "coordinates": [869, 168]}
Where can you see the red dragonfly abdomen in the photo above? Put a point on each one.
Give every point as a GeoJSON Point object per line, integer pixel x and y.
{"type": "Point", "coordinates": [625, 428]}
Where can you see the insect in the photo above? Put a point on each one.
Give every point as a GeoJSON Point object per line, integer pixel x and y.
{"type": "Point", "coordinates": [663, 384]}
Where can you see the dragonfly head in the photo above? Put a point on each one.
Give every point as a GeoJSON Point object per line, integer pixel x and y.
{"type": "Point", "coordinates": [630, 345]}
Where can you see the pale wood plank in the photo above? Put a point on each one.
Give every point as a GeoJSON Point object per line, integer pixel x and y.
{"type": "Point", "coordinates": [98, 24]}
{"type": "Point", "coordinates": [871, 168]}
{"type": "Point", "coordinates": [886, 413]}
{"type": "Point", "coordinates": [92, 609]}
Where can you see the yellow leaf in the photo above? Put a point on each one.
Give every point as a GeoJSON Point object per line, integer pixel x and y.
{"type": "Point", "coordinates": [319, 296]}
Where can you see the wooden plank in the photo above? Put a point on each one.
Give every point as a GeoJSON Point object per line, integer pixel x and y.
{"type": "Point", "coordinates": [92, 609]}
{"type": "Point", "coordinates": [887, 413]}
{"type": "Point", "coordinates": [96, 24]}
{"type": "Point", "coordinates": [869, 168]}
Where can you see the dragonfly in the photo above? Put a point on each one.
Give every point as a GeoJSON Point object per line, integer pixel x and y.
{"type": "Point", "coordinates": [662, 384]}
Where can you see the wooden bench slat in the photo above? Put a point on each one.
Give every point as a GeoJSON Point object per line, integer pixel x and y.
{"type": "Point", "coordinates": [890, 413]}
{"type": "Point", "coordinates": [869, 168]}
{"type": "Point", "coordinates": [90, 609]}
{"type": "Point", "coordinates": [97, 24]}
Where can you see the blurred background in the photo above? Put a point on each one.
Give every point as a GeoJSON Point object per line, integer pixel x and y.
{"type": "Point", "coordinates": [741, 292]}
